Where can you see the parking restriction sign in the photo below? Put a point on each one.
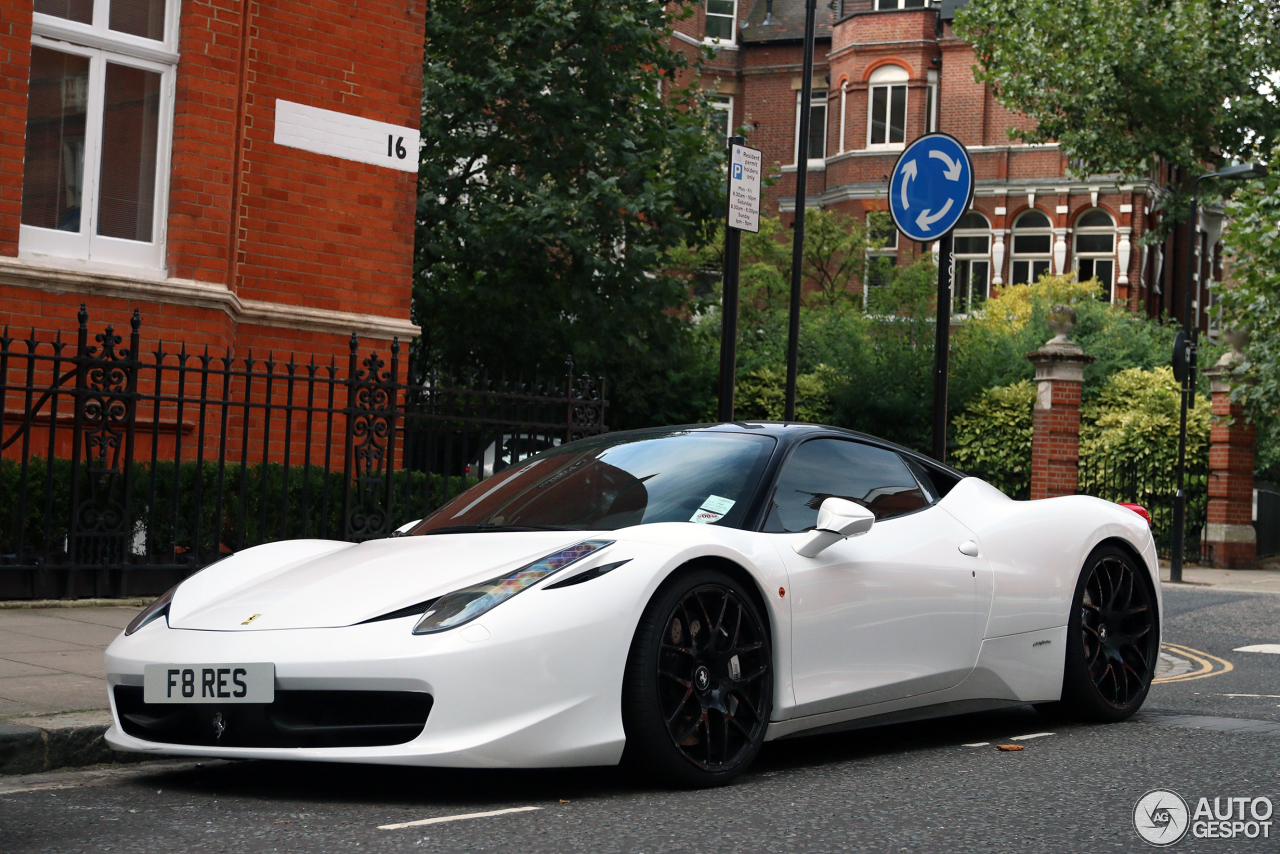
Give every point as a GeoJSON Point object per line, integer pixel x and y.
{"type": "Point", "coordinates": [744, 188]}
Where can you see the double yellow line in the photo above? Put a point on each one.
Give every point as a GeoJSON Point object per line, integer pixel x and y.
{"type": "Point", "coordinates": [1207, 665]}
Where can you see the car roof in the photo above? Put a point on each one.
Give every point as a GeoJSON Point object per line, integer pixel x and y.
{"type": "Point", "coordinates": [792, 432]}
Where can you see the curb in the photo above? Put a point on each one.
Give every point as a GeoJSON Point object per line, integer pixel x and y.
{"type": "Point", "coordinates": [33, 745]}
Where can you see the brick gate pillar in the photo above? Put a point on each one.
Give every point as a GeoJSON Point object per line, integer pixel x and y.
{"type": "Point", "coordinates": [1055, 439]}
{"type": "Point", "coordinates": [1229, 535]}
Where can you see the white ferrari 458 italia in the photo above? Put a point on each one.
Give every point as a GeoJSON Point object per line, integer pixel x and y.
{"type": "Point", "coordinates": [671, 598]}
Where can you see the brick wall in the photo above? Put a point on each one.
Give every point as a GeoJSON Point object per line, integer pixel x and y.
{"type": "Point", "coordinates": [275, 226]}
{"type": "Point", "coordinates": [1055, 443]}
{"type": "Point", "coordinates": [15, 60]}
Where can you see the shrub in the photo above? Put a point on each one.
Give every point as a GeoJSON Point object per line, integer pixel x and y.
{"type": "Point", "coordinates": [1135, 419]}
{"type": "Point", "coordinates": [993, 438]}
{"type": "Point", "coordinates": [183, 508]}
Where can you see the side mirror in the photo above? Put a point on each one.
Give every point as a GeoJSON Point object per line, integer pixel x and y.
{"type": "Point", "coordinates": [838, 519]}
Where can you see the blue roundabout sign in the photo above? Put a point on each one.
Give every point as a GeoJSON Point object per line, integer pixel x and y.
{"type": "Point", "coordinates": [931, 187]}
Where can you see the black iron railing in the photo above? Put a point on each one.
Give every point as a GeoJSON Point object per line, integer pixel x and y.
{"type": "Point", "coordinates": [124, 470]}
{"type": "Point", "coordinates": [1153, 485]}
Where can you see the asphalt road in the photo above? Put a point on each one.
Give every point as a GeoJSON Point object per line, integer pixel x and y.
{"type": "Point", "coordinates": [914, 787]}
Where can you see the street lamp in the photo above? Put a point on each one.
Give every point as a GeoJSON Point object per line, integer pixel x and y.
{"type": "Point", "coordinates": [1184, 357]}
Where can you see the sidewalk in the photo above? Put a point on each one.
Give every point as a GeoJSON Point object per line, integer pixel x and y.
{"type": "Point", "coordinates": [53, 691]}
{"type": "Point", "coordinates": [1245, 580]}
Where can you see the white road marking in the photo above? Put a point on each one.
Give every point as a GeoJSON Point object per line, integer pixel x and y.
{"type": "Point", "coordinates": [978, 744]}
{"type": "Point", "coordinates": [1272, 648]}
{"type": "Point", "coordinates": [1255, 696]}
{"type": "Point", "coordinates": [463, 816]}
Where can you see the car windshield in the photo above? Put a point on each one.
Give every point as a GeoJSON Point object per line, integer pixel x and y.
{"type": "Point", "coordinates": [610, 482]}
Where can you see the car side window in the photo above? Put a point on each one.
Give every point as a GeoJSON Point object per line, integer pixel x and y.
{"type": "Point", "coordinates": [824, 468]}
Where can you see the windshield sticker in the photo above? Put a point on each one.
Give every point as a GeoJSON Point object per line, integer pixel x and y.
{"type": "Point", "coordinates": [712, 510]}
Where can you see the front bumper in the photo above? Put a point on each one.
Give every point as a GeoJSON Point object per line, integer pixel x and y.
{"type": "Point", "coordinates": [534, 683]}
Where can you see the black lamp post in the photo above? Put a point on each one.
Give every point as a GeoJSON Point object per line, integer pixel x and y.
{"type": "Point", "coordinates": [1184, 358]}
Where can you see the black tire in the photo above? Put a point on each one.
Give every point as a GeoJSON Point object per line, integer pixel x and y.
{"type": "Point", "coordinates": [1112, 639]}
{"type": "Point", "coordinates": [698, 689]}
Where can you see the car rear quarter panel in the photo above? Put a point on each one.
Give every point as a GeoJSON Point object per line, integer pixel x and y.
{"type": "Point", "coordinates": [1038, 548]}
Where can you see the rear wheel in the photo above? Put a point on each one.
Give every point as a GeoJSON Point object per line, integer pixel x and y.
{"type": "Point", "coordinates": [1112, 638]}
{"type": "Point", "coordinates": [698, 689]}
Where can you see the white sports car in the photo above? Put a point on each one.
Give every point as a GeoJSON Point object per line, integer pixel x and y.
{"type": "Point", "coordinates": [673, 597]}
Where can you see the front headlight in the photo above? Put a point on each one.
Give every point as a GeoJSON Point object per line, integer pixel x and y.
{"type": "Point", "coordinates": [154, 611]}
{"type": "Point", "coordinates": [463, 606]}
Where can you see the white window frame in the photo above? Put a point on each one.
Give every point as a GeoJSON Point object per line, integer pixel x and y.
{"type": "Point", "coordinates": [895, 5]}
{"type": "Point", "coordinates": [968, 258]}
{"type": "Point", "coordinates": [889, 76]}
{"type": "Point", "coordinates": [1077, 256]}
{"type": "Point", "coordinates": [818, 98]}
{"type": "Point", "coordinates": [844, 98]}
{"type": "Point", "coordinates": [889, 250]}
{"type": "Point", "coordinates": [1032, 258]}
{"type": "Point", "coordinates": [723, 103]}
{"type": "Point", "coordinates": [931, 103]}
{"type": "Point", "coordinates": [101, 45]}
{"type": "Point", "coordinates": [733, 26]}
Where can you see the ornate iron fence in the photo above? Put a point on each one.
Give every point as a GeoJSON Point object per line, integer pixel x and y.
{"type": "Point", "coordinates": [1154, 487]}
{"type": "Point", "coordinates": [123, 471]}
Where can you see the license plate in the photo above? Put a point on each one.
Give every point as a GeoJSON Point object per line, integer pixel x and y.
{"type": "Point", "coordinates": [209, 683]}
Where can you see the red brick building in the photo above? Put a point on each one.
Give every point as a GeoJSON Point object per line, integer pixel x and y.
{"type": "Point", "coordinates": [241, 171]}
{"type": "Point", "coordinates": [887, 71]}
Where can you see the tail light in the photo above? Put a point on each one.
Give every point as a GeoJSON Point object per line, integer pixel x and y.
{"type": "Point", "coordinates": [1140, 510]}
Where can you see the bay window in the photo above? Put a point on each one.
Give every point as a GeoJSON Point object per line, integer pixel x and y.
{"type": "Point", "coordinates": [887, 95]}
{"type": "Point", "coordinates": [1032, 247]}
{"type": "Point", "coordinates": [1095, 243]}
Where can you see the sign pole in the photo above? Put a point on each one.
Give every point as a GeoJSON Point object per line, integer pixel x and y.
{"type": "Point", "coordinates": [743, 215]}
{"type": "Point", "coordinates": [729, 303]}
{"type": "Point", "coordinates": [930, 189]}
{"type": "Point", "coordinates": [942, 346]}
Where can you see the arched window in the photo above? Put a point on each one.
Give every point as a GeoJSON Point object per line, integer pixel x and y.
{"type": "Point", "coordinates": [1095, 243]}
{"type": "Point", "coordinates": [972, 249]}
{"type": "Point", "coordinates": [887, 95]}
{"type": "Point", "coordinates": [1032, 247]}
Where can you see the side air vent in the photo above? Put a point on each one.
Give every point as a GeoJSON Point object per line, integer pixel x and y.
{"type": "Point", "coordinates": [407, 611]}
{"type": "Point", "coordinates": [581, 577]}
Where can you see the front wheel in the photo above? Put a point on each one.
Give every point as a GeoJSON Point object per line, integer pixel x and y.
{"type": "Point", "coordinates": [1112, 638]}
{"type": "Point", "coordinates": [698, 690]}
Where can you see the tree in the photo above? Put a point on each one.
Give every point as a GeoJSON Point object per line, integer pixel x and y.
{"type": "Point", "coordinates": [1252, 302]}
{"type": "Point", "coordinates": [561, 162]}
{"type": "Point", "coordinates": [1124, 83]}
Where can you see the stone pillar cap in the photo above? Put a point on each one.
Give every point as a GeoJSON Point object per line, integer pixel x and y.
{"type": "Point", "coordinates": [1060, 348]}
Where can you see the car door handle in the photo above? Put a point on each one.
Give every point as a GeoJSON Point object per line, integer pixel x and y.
{"type": "Point", "coordinates": [968, 547]}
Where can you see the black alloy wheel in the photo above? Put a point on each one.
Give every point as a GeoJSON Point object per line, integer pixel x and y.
{"type": "Point", "coordinates": [1112, 638]}
{"type": "Point", "coordinates": [699, 688]}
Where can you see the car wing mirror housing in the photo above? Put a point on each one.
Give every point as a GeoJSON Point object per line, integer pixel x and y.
{"type": "Point", "coordinates": [838, 519]}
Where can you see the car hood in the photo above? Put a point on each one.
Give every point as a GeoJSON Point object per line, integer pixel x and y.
{"type": "Point", "coordinates": [324, 584]}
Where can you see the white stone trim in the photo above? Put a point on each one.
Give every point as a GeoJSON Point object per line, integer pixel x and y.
{"type": "Point", "coordinates": [186, 292]}
{"type": "Point", "coordinates": [1217, 532]}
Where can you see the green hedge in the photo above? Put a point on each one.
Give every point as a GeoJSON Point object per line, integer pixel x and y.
{"type": "Point", "coordinates": [259, 504]}
{"type": "Point", "coordinates": [993, 438]}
